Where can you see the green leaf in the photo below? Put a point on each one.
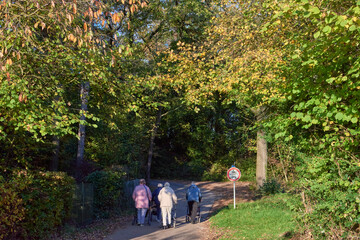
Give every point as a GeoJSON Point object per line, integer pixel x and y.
{"type": "Point", "coordinates": [352, 28]}
{"type": "Point", "coordinates": [356, 10]}
{"type": "Point", "coordinates": [339, 116]}
{"type": "Point", "coordinates": [327, 29]}
{"type": "Point", "coordinates": [314, 121]}
{"type": "Point", "coordinates": [354, 120]}
{"type": "Point", "coordinates": [314, 10]}
{"type": "Point", "coordinates": [330, 80]}
{"type": "Point", "coordinates": [317, 34]}
{"type": "Point", "coordinates": [299, 115]}
{"type": "Point", "coordinates": [307, 118]}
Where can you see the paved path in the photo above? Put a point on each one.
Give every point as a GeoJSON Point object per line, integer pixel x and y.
{"type": "Point", "coordinates": [183, 230]}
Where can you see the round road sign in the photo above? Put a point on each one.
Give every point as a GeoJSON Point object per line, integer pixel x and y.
{"type": "Point", "coordinates": [233, 174]}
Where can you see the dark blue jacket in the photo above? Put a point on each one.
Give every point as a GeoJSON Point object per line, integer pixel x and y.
{"type": "Point", "coordinates": [155, 195]}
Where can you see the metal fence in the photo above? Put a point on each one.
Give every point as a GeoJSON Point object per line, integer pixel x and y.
{"type": "Point", "coordinates": [83, 200]}
{"type": "Point", "coordinates": [128, 189]}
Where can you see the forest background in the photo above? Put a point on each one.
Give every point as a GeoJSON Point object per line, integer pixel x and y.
{"type": "Point", "coordinates": [179, 89]}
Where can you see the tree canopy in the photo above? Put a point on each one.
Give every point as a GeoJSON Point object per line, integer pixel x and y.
{"type": "Point", "coordinates": [187, 88]}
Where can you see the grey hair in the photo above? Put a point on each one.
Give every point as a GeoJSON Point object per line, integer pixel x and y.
{"type": "Point", "coordinates": [142, 181]}
{"type": "Point", "coordinates": [167, 184]}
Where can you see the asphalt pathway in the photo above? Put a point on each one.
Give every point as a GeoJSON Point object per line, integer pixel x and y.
{"type": "Point", "coordinates": [183, 230]}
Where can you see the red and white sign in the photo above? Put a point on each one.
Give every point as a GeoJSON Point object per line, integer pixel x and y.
{"type": "Point", "coordinates": [233, 174]}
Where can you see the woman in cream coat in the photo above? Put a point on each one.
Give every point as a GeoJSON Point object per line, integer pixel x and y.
{"type": "Point", "coordinates": [167, 198]}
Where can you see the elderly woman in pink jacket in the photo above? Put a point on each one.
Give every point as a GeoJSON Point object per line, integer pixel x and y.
{"type": "Point", "coordinates": [142, 198]}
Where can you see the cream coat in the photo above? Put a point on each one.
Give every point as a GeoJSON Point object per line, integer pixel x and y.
{"type": "Point", "coordinates": [167, 197]}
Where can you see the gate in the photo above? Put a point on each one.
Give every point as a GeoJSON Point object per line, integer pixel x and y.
{"type": "Point", "coordinates": [129, 188]}
{"type": "Point", "coordinates": [83, 200]}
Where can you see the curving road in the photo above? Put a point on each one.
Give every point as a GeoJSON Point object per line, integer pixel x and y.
{"type": "Point", "coordinates": [183, 230]}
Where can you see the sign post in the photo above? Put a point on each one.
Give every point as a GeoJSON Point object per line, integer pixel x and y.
{"type": "Point", "coordinates": [233, 174]}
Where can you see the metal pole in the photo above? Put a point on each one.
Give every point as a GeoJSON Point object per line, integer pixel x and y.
{"type": "Point", "coordinates": [234, 194]}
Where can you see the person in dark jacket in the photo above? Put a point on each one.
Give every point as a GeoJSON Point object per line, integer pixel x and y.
{"type": "Point", "coordinates": [155, 195]}
{"type": "Point", "coordinates": [193, 197]}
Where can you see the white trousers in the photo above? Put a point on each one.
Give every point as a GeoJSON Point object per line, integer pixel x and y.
{"type": "Point", "coordinates": [166, 215]}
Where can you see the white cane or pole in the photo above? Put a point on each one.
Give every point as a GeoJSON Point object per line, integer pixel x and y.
{"type": "Point", "coordinates": [234, 194]}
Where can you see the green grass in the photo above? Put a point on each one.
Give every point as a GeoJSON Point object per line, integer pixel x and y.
{"type": "Point", "coordinates": [268, 218]}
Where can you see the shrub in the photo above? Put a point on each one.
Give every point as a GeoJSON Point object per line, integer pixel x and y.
{"type": "Point", "coordinates": [108, 189]}
{"type": "Point", "coordinates": [11, 211]}
{"type": "Point", "coordinates": [217, 172]}
{"type": "Point", "coordinates": [247, 167]}
{"type": "Point", "coordinates": [270, 187]}
{"type": "Point", "coordinates": [43, 201]}
{"type": "Point", "coordinates": [331, 195]}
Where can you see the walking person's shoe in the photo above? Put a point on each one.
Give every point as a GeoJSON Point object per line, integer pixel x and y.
{"type": "Point", "coordinates": [169, 225]}
{"type": "Point", "coordinates": [164, 227]}
{"type": "Point", "coordinates": [141, 225]}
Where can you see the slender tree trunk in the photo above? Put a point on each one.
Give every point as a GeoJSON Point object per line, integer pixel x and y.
{"type": "Point", "coordinates": [261, 146]}
{"type": "Point", "coordinates": [152, 144]}
{"type": "Point", "coordinates": [54, 166]}
{"type": "Point", "coordinates": [84, 93]}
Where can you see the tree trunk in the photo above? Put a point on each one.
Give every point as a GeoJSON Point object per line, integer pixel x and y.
{"type": "Point", "coordinates": [152, 144]}
{"type": "Point", "coordinates": [84, 93]}
{"type": "Point", "coordinates": [261, 146]}
{"type": "Point", "coordinates": [54, 166]}
{"type": "Point", "coordinates": [261, 159]}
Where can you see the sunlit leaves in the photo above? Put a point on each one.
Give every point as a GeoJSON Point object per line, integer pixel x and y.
{"type": "Point", "coordinates": [46, 50]}
{"type": "Point", "coordinates": [237, 59]}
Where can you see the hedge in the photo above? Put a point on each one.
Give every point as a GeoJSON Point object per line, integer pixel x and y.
{"type": "Point", "coordinates": [34, 204]}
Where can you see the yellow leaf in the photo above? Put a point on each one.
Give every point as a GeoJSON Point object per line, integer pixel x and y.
{"type": "Point", "coordinates": [69, 17]}
{"type": "Point", "coordinates": [71, 37]}
{"type": "Point", "coordinates": [9, 61]}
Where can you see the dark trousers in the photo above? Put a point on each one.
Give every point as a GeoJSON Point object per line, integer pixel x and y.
{"type": "Point", "coordinates": [193, 208]}
{"type": "Point", "coordinates": [158, 212]}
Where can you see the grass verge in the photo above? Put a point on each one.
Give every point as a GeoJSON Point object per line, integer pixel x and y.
{"type": "Point", "coordinates": [267, 218]}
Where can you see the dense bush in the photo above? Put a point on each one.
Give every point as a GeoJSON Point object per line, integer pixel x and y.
{"type": "Point", "coordinates": [41, 201]}
{"type": "Point", "coordinates": [11, 211]}
{"type": "Point", "coordinates": [108, 192]}
{"type": "Point", "coordinates": [331, 195]}
{"type": "Point", "coordinates": [217, 172]}
{"type": "Point", "coordinates": [270, 187]}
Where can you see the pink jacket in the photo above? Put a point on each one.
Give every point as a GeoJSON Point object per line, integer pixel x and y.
{"type": "Point", "coordinates": [142, 196]}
